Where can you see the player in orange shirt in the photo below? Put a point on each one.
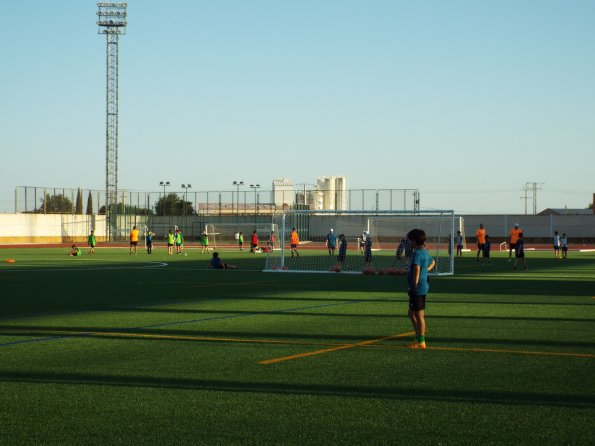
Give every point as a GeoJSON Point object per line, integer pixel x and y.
{"type": "Point", "coordinates": [481, 239]}
{"type": "Point", "coordinates": [133, 239]}
{"type": "Point", "coordinates": [514, 236]}
{"type": "Point", "coordinates": [294, 241]}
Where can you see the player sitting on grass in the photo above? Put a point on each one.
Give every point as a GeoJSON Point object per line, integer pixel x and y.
{"type": "Point", "coordinates": [417, 280]}
{"type": "Point", "coordinates": [217, 263]}
{"type": "Point", "coordinates": [74, 251]}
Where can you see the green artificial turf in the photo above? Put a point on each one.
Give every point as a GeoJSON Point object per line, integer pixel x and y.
{"type": "Point", "coordinates": [120, 349]}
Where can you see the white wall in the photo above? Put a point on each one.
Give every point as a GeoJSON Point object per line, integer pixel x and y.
{"type": "Point", "coordinates": [49, 228]}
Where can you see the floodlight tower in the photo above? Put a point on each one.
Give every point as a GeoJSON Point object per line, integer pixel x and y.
{"type": "Point", "coordinates": [111, 20]}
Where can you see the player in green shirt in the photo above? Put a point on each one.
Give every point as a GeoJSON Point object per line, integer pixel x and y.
{"type": "Point", "coordinates": [170, 242]}
{"type": "Point", "coordinates": [92, 242]}
{"type": "Point", "coordinates": [204, 242]}
{"type": "Point", "coordinates": [179, 241]}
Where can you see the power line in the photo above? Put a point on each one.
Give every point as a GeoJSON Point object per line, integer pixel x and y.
{"type": "Point", "coordinates": [533, 188]}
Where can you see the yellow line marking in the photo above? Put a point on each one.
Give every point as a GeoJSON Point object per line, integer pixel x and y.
{"type": "Point", "coordinates": [107, 334]}
{"type": "Point", "coordinates": [333, 349]}
{"type": "Point", "coordinates": [333, 346]}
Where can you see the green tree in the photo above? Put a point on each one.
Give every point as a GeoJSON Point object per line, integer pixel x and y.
{"type": "Point", "coordinates": [90, 204]}
{"type": "Point", "coordinates": [132, 210]}
{"type": "Point", "coordinates": [172, 204]}
{"type": "Point", "coordinates": [79, 202]}
{"type": "Point", "coordinates": [127, 209]}
{"type": "Point", "coordinates": [590, 206]}
{"type": "Point", "coordinates": [56, 204]}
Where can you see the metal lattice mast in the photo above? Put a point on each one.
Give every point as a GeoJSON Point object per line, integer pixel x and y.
{"type": "Point", "coordinates": [111, 22]}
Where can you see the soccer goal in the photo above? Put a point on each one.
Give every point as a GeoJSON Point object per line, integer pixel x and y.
{"type": "Point", "coordinates": [372, 242]}
{"type": "Point", "coordinates": [227, 234]}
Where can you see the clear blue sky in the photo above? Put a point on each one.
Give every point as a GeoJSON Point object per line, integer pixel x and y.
{"type": "Point", "coordinates": [465, 100]}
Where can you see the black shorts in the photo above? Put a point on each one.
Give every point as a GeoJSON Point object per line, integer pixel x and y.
{"type": "Point", "coordinates": [564, 248]}
{"type": "Point", "coordinates": [133, 243]}
{"type": "Point", "coordinates": [293, 246]}
{"type": "Point", "coordinates": [512, 246]}
{"type": "Point", "coordinates": [416, 302]}
{"type": "Point", "coordinates": [481, 246]}
{"type": "Point", "coordinates": [556, 248]}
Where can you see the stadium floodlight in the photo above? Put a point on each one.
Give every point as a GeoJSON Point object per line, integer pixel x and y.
{"type": "Point", "coordinates": [237, 184]}
{"type": "Point", "coordinates": [164, 184]}
{"type": "Point", "coordinates": [255, 187]}
{"type": "Point", "coordinates": [111, 20]}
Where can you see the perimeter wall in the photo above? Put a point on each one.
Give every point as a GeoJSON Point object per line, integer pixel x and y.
{"type": "Point", "coordinates": [65, 228]}
{"type": "Point", "coordinates": [536, 228]}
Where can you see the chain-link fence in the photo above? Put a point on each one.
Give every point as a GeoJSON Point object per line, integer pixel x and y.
{"type": "Point", "coordinates": [257, 201]}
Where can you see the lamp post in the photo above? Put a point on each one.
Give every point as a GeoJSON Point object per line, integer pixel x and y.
{"type": "Point", "coordinates": [185, 187]}
{"type": "Point", "coordinates": [164, 184]}
{"type": "Point", "coordinates": [255, 187]}
{"type": "Point", "coordinates": [237, 184]}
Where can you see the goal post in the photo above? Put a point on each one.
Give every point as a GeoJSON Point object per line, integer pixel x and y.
{"type": "Point", "coordinates": [374, 241]}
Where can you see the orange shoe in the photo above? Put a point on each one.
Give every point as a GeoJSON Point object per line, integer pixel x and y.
{"type": "Point", "coordinates": [418, 345]}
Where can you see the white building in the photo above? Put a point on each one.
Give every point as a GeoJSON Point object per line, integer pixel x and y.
{"type": "Point", "coordinates": [332, 193]}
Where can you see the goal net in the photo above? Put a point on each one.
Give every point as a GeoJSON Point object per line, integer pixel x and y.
{"type": "Point", "coordinates": [228, 234]}
{"type": "Point", "coordinates": [371, 242]}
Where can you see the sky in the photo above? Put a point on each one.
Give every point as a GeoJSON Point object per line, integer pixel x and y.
{"type": "Point", "coordinates": [467, 101]}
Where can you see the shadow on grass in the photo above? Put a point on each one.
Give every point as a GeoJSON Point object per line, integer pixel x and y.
{"type": "Point", "coordinates": [473, 396]}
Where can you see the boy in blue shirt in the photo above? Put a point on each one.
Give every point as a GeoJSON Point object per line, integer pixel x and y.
{"type": "Point", "coordinates": [149, 241]}
{"type": "Point", "coordinates": [417, 280]}
{"type": "Point", "coordinates": [487, 247]}
{"type": "Point", "coordinates": [342, 254]}
{"type": "Point", "coordinates": [217, 263]}
{"type": "Point", "coordinates": [519, 251]}
{"type": "Point", "coordinates": [331, 242]}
